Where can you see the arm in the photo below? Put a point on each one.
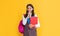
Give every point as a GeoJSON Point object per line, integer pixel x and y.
{"type": "Point", "coordinates": [24, 20]}
{"type": "Point", "coordinates": [38, 24]}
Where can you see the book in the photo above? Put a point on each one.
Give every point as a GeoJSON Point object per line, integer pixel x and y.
{"type": "Point", "coordinates": [33, 20]}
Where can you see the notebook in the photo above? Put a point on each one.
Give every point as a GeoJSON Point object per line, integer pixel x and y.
{"type": "Point", "coordinates": [33, 20]}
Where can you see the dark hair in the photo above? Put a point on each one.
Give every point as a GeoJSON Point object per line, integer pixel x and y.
{"type": "Point", "coordinates": [27, 10]}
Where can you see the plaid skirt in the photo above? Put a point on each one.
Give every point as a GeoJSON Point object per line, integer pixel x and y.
{"type": "Point", "coordinates": [29, 31]}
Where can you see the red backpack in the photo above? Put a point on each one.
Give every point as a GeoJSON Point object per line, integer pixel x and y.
{"type": "Point", "coordinates": [21, 27]}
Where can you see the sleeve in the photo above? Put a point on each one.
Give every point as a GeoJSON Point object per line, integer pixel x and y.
{"type": "Point", "coordinates": [24, 20]}
{"type": "Point", "coordinates": [38, 24]}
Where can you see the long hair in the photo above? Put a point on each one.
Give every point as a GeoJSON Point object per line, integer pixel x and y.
{"type": "Point", "coordinates": [27, 10]}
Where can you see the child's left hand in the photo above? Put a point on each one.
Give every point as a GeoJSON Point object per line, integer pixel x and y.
{"type": "Point", "coordinates": [31, 26]}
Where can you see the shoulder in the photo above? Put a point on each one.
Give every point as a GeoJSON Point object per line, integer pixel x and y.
{"type": "Point", "coordinates": [24, 15]}
{"type": "Point", "coordinates": [35, 15]}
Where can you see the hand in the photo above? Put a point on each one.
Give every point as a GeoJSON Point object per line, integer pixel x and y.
{"type": "Point", "coordinates": [31, 26]}
{"type": "Point", "coordinates": [28, 15]}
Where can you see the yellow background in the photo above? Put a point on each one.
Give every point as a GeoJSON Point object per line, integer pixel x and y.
{"type": "Point", "coordinates": [11, 12]}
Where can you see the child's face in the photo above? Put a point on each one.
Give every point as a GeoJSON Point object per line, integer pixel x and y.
{"type": "Point", "coordinates": [29, 9]}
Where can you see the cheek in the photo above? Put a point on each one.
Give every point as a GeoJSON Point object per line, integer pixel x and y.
{"type": "Point", "coordinates": [29, 9]}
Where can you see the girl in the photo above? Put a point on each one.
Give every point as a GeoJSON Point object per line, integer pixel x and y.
{"type": "Point", "coordinates": [28, 29]}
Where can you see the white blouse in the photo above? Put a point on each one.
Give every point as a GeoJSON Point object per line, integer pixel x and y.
{"type": "Point", "coordinates": [25, 21]}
